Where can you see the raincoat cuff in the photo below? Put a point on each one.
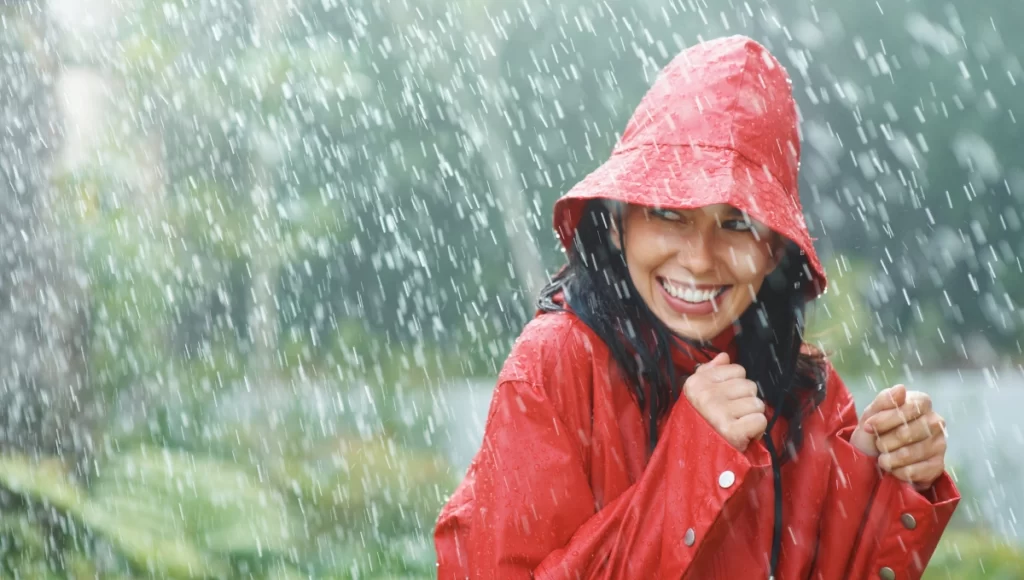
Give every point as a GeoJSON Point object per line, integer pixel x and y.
{"type": "Point", "coordinates": [908, 524]}
{"type": "Point", "coordinates": [857, 470]}
{"type": "Point", "coordinates": [942, 492]}
{"type": "Point", "coordinates": [756, 455]}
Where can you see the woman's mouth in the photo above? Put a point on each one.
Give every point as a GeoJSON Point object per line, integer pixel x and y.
{"type": "Point", "coordinates": [691, 294]}
{"type": "Point", "coordinates": [690, 300]}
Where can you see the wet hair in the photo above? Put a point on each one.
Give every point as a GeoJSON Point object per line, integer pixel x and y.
{"type": "Point", "coordinates": [597, 288]}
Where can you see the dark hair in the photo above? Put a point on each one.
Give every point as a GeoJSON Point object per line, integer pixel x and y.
{"type": "Point", "coordinates": [597, 287]}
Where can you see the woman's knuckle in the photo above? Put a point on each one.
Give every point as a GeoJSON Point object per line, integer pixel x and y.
{"type": "Point", "coordinates": [759, 425]}
{"type": "Point", "coordinates": [903, 434]}
{"type": "Point", "coordinates": [928, 429]}
{"type": "Point", "coordinates": [728, 423]}
{"type": "Point", "coordinates": [897, 462]}
{"type": "Point", "coordinates": [885, 461]}
{"type": "Point", "coordinates": [700, 398]}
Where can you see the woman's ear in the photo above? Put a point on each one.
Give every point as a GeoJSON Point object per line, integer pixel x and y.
{"type": "Point", "coordinates": [614, 234]}
{"type": "Point", "coordinates": [616, 215]}
{"type": "Point", "coordinates": [778, 250]}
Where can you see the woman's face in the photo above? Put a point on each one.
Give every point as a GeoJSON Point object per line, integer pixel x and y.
{"type": "Point", "coordinates": [697, 270]}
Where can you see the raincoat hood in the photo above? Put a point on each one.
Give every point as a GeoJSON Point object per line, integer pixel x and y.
{"type": "Point", "coordinates": [719, 126]}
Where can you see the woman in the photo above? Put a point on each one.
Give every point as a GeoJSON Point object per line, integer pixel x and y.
{"type": "Point", "coordinates": [661, 417]}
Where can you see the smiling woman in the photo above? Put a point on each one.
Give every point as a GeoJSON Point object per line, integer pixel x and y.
{"type": "Point", "coordinates": [662, 416]}
{"type": "Point", "coordinates": [699, 269]}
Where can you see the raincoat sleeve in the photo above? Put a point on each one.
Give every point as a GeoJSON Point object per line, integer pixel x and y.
{"type": "Point", "coordinates": [526, 508]}
{"type": "Point", "coordinates": [872, 523]}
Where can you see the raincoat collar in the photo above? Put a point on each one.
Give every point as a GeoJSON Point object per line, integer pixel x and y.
{"type": "Point", "coordinates": [686, 356]}
{"type": "Point", "coordinates": [719, 125]}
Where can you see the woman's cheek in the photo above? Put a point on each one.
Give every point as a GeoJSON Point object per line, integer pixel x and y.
{"type": "Point", "coordinates": [656, 245]}
{"type": "Point", "coordinates": [753, 261]}
{"type": "Point", "coordinates": [757, 267]}
{"type": "Point", "coordinates": [739, 262]}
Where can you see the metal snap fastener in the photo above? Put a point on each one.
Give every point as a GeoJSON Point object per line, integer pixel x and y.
{"type": "Point", "coordinates": [908, 521]}
{"type": "Point", "coordinates": [887, 573]}
{"type": "Point", "coordinates": [726, 479]}
{"type": "Point", "coordinates": [690, 537]}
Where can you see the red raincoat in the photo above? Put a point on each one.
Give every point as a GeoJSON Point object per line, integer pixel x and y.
{"type": "Point", "coordinates": [563, 486]}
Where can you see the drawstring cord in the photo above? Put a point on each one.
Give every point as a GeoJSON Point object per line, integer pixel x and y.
{"type": "Point", "coordinates": [769, 443]}
{"type": "Point", "coordinates": [777, 485]}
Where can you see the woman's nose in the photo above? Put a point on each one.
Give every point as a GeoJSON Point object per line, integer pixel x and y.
{"type": "Point", "coordinates": [696, 253]}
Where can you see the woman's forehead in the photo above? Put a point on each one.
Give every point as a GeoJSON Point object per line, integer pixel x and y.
{"type": "Point", "coordinates": [722, 209]}
{"type": "Point", "coordinates": [718, 209]}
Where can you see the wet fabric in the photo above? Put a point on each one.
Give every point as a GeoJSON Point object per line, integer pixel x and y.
{"type": "Point", "coordinates": [562, 486]}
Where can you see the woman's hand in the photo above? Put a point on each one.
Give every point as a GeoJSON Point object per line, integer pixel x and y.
{"type": "Point", "coordinates": [728, 401]}
{"type": "Point", "coordinates": [906, 434]}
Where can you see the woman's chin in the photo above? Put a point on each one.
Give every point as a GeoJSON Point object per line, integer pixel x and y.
{"type": "Point", "coordinates": [703, 329]}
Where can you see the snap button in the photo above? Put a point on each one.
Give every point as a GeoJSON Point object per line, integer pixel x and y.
{"type": "Point", "coordinates": [886, 573]}
{"type": "Point", "coordinates": [690, 537]}
{"type": "Point", "coordinates": [726, 479]}
{"type": "Point", "coordinates": [908, 521]}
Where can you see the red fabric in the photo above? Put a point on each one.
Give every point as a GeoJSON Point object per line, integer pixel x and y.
{"type": "Point", "coordinates": [719, 125]}
{"type": "Point", "coordinates": [562, 486]}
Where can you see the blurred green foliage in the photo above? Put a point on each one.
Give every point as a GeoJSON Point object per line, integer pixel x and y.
{"type": "Point", "coordinates": [971, 555]}
{"type": "Point", "coordinates": [351, 509]}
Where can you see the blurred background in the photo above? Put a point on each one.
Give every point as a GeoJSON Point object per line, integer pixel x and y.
{"type": "Point", "coordinates": [261, 260]}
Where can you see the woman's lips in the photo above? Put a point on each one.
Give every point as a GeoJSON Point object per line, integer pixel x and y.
{"type": "Point", "coordinates": [688, 308]}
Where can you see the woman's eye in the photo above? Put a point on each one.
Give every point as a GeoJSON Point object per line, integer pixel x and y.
{"type": "Point", "coordinates": [738, 225]}
{"type": "Point", "coordinates": [666, 214]}
{"type": "Point", "coordinates": [746, 225]}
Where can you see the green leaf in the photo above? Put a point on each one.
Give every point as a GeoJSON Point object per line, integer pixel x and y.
{"type": "Point", "coordinates": [283, 572]}
{"type": "Point", "coordinates": [41, 480]}
{"type": "Point", "coordinates": [22, 534]}
{"type": "Point", "coordinates": [160, 551]}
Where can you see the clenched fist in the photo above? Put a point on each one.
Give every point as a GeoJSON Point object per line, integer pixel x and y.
{"type": "Point", "coordinates": [906, 434]}
{"type": "Point", "coordinates": [727, 399]}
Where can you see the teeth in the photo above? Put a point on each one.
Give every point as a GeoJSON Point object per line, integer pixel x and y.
{"type": "Point", "coordinates": [690, 294]}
